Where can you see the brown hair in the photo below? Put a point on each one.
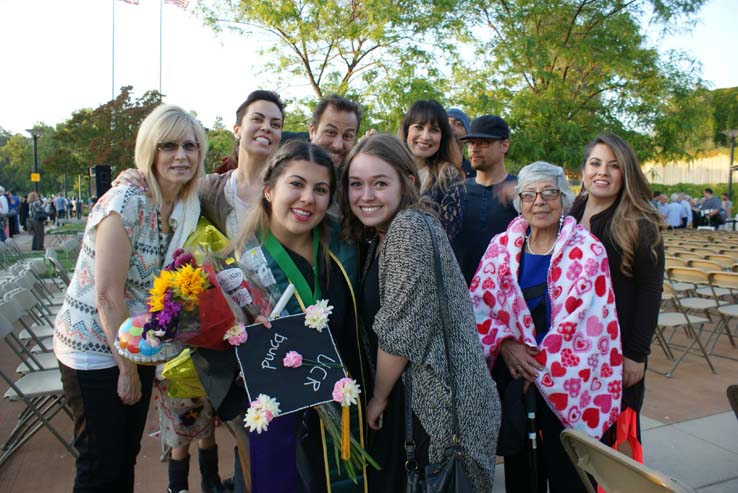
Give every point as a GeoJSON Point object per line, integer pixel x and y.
{"type": "Point", "coordinates": [448, 157]}
{"type": "Point", "coordinates": [339, 103]}
{"type": "Point", "coordinates": [394, 152]}
{"type": "Point", "coordinates": [633, 204]}
{"type": "Point", "coordinates": [257, 222]}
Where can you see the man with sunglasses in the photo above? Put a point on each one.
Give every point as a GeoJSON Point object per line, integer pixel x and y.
{"type": "Point", "coordinates": [488, 205]}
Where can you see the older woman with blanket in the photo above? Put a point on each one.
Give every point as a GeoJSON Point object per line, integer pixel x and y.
{"type": "Point", "coordinates": [543, 300]}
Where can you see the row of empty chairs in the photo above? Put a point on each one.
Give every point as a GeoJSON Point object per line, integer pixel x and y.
{"type": "Point", "coordinates": [30, 301]}
{"type": "Point", "coordinates": [700, 290]}
{"type": "Point", "coordinates": [700, 295]}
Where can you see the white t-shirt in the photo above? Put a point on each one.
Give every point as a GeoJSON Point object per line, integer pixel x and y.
{"type": "Point", "coordinates": [240, 210]}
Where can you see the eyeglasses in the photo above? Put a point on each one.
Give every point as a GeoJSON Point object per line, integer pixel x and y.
{"type": "Point", "coordinates": [548, 195]}
{"type": "Point", "coordinates": [188, 146]}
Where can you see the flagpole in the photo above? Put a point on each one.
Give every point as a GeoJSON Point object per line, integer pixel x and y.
{"type": "Point", "coordinates": [161, 9]}
{"type": "Point", "coordinates": [112, 76]}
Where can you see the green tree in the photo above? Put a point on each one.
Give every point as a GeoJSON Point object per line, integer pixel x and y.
{"type": "Point", "coordinates": [104, 135]}
{"type": "Point", "coordinates": [4, 136]}
{"type": "Point", "coordinates": [562, 71]}
{"type": "Point", "coordinates": [724, 104]}
{"type": "Point", "coordinates": [16, 163]}
{"type": "Point", "coordinates": [220, 145]}
{"type": "Point", "coordinates": [340, 45]}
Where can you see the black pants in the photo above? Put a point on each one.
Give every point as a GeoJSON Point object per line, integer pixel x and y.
{"type": "Point", "coordinates": [107, 433]}
{"type": "Point", "coordinates": [38, 235]}
{"type": "Point", "coordinates": [554, 466]}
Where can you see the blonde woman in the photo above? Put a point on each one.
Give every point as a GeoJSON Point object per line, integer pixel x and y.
{"type": "Point", "coordinates": [130, 234]}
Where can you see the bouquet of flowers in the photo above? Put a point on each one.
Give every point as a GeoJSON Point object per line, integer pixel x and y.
{"type": "Point", "coordinates": [185, 306]}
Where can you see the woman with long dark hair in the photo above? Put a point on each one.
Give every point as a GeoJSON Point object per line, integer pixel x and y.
{"type": "Point", "coordinates": [299, 241]}
{"type": "Point", "coordinates": [615, 206]}
{"type": "Point", "coordinates": [426, 133]}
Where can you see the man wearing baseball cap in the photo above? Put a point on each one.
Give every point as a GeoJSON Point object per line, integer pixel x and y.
{"type": "Point", "coordinates": [488, 204]}
{"type": "Point", "coordinates": [459, 123]}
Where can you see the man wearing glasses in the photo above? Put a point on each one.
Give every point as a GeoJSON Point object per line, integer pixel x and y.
{"type": "Point", "coordinates": [488, 204]}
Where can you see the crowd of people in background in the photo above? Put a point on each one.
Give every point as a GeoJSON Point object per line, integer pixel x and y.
{"type": "Point", "coordinates": [33, 212]}
{"type": "Point", "coordinates": [681, 211]}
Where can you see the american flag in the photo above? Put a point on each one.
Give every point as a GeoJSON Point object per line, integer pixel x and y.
{"type": "Point", "coordinates": [179, 3]}
{"type": "Point", "coordinates": [134, 2]}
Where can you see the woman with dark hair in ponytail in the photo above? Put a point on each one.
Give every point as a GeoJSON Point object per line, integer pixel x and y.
{"type": "Point", "coordinates": [300, 243]}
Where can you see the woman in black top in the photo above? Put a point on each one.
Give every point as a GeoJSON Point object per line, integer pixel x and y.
{"type": "Point", "coordinates": [614, 205]}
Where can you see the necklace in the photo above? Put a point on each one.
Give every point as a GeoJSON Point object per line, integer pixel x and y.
{"type": "Point", "coordinates": [548, 252]}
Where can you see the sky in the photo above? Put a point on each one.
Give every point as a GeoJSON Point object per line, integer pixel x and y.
{"type": "Point", "coordinates": [57, 58]}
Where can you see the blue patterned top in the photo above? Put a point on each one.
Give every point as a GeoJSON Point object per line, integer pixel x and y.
{"type": "Point", "coordinates": [448, 204]}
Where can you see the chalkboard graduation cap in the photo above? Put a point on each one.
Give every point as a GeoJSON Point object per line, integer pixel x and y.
{"type": "Point", "coordinates": [309, 385]}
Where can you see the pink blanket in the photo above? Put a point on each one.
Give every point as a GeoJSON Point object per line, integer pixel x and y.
{"type": "Point", "coordinates": [581, 353]}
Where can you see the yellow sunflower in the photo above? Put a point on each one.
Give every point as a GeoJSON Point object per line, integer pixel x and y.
{"type": "Point", "coordinates": [161, 285]}
{"type": "Point", "coordinates": [189, 283]}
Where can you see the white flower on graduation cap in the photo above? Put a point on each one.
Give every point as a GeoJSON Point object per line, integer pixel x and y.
{"type": "Point", "coordinates": [346, 392]}
{"type": "Point", "coordinates": [261, 412]}
{"type": "Point", "coordinates": [316, 316]}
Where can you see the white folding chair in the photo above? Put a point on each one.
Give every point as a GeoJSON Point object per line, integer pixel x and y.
{"type": "Point", "coordinates": [673, 320]}
{"type": "Point", "coordinates": [614, 471]}
{"type": "Point", "coordinates": [40, 329]}
{"type": "Point", "coordinates": [42, 395]}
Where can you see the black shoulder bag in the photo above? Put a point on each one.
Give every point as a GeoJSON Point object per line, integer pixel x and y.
{"type": "Point", "coordinates": [447, 476]}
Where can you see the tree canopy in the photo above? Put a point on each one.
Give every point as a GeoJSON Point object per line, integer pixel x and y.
{"type": "Point", "coordinates": [559, 71]}
{"type": "Point", "coordinates": [564, 70]}
{"type": "Point", "coordinates": [103, 135]}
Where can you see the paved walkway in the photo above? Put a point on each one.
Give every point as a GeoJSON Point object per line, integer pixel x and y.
{"type": "Point", "coordinates": [689, 433]}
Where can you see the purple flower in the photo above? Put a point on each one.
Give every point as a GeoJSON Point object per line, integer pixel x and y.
{"type": "Point", "coordinates": [168, 315]}
{"type": "Point", "coordinates": [184, 259]}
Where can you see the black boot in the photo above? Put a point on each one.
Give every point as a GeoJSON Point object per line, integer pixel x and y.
{"type": "Point", "coordinates": [209, 471]}
{"type": "Point", "coordinates": [179, 470]}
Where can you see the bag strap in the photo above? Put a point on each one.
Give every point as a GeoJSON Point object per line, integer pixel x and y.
{"type": "Point", "coordinates": [443, 308]}
{"type": "Point", "coordinates": [411, 463]}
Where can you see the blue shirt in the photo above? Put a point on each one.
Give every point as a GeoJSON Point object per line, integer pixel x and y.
{"type": "Point", "coordinates": [534, 271]}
